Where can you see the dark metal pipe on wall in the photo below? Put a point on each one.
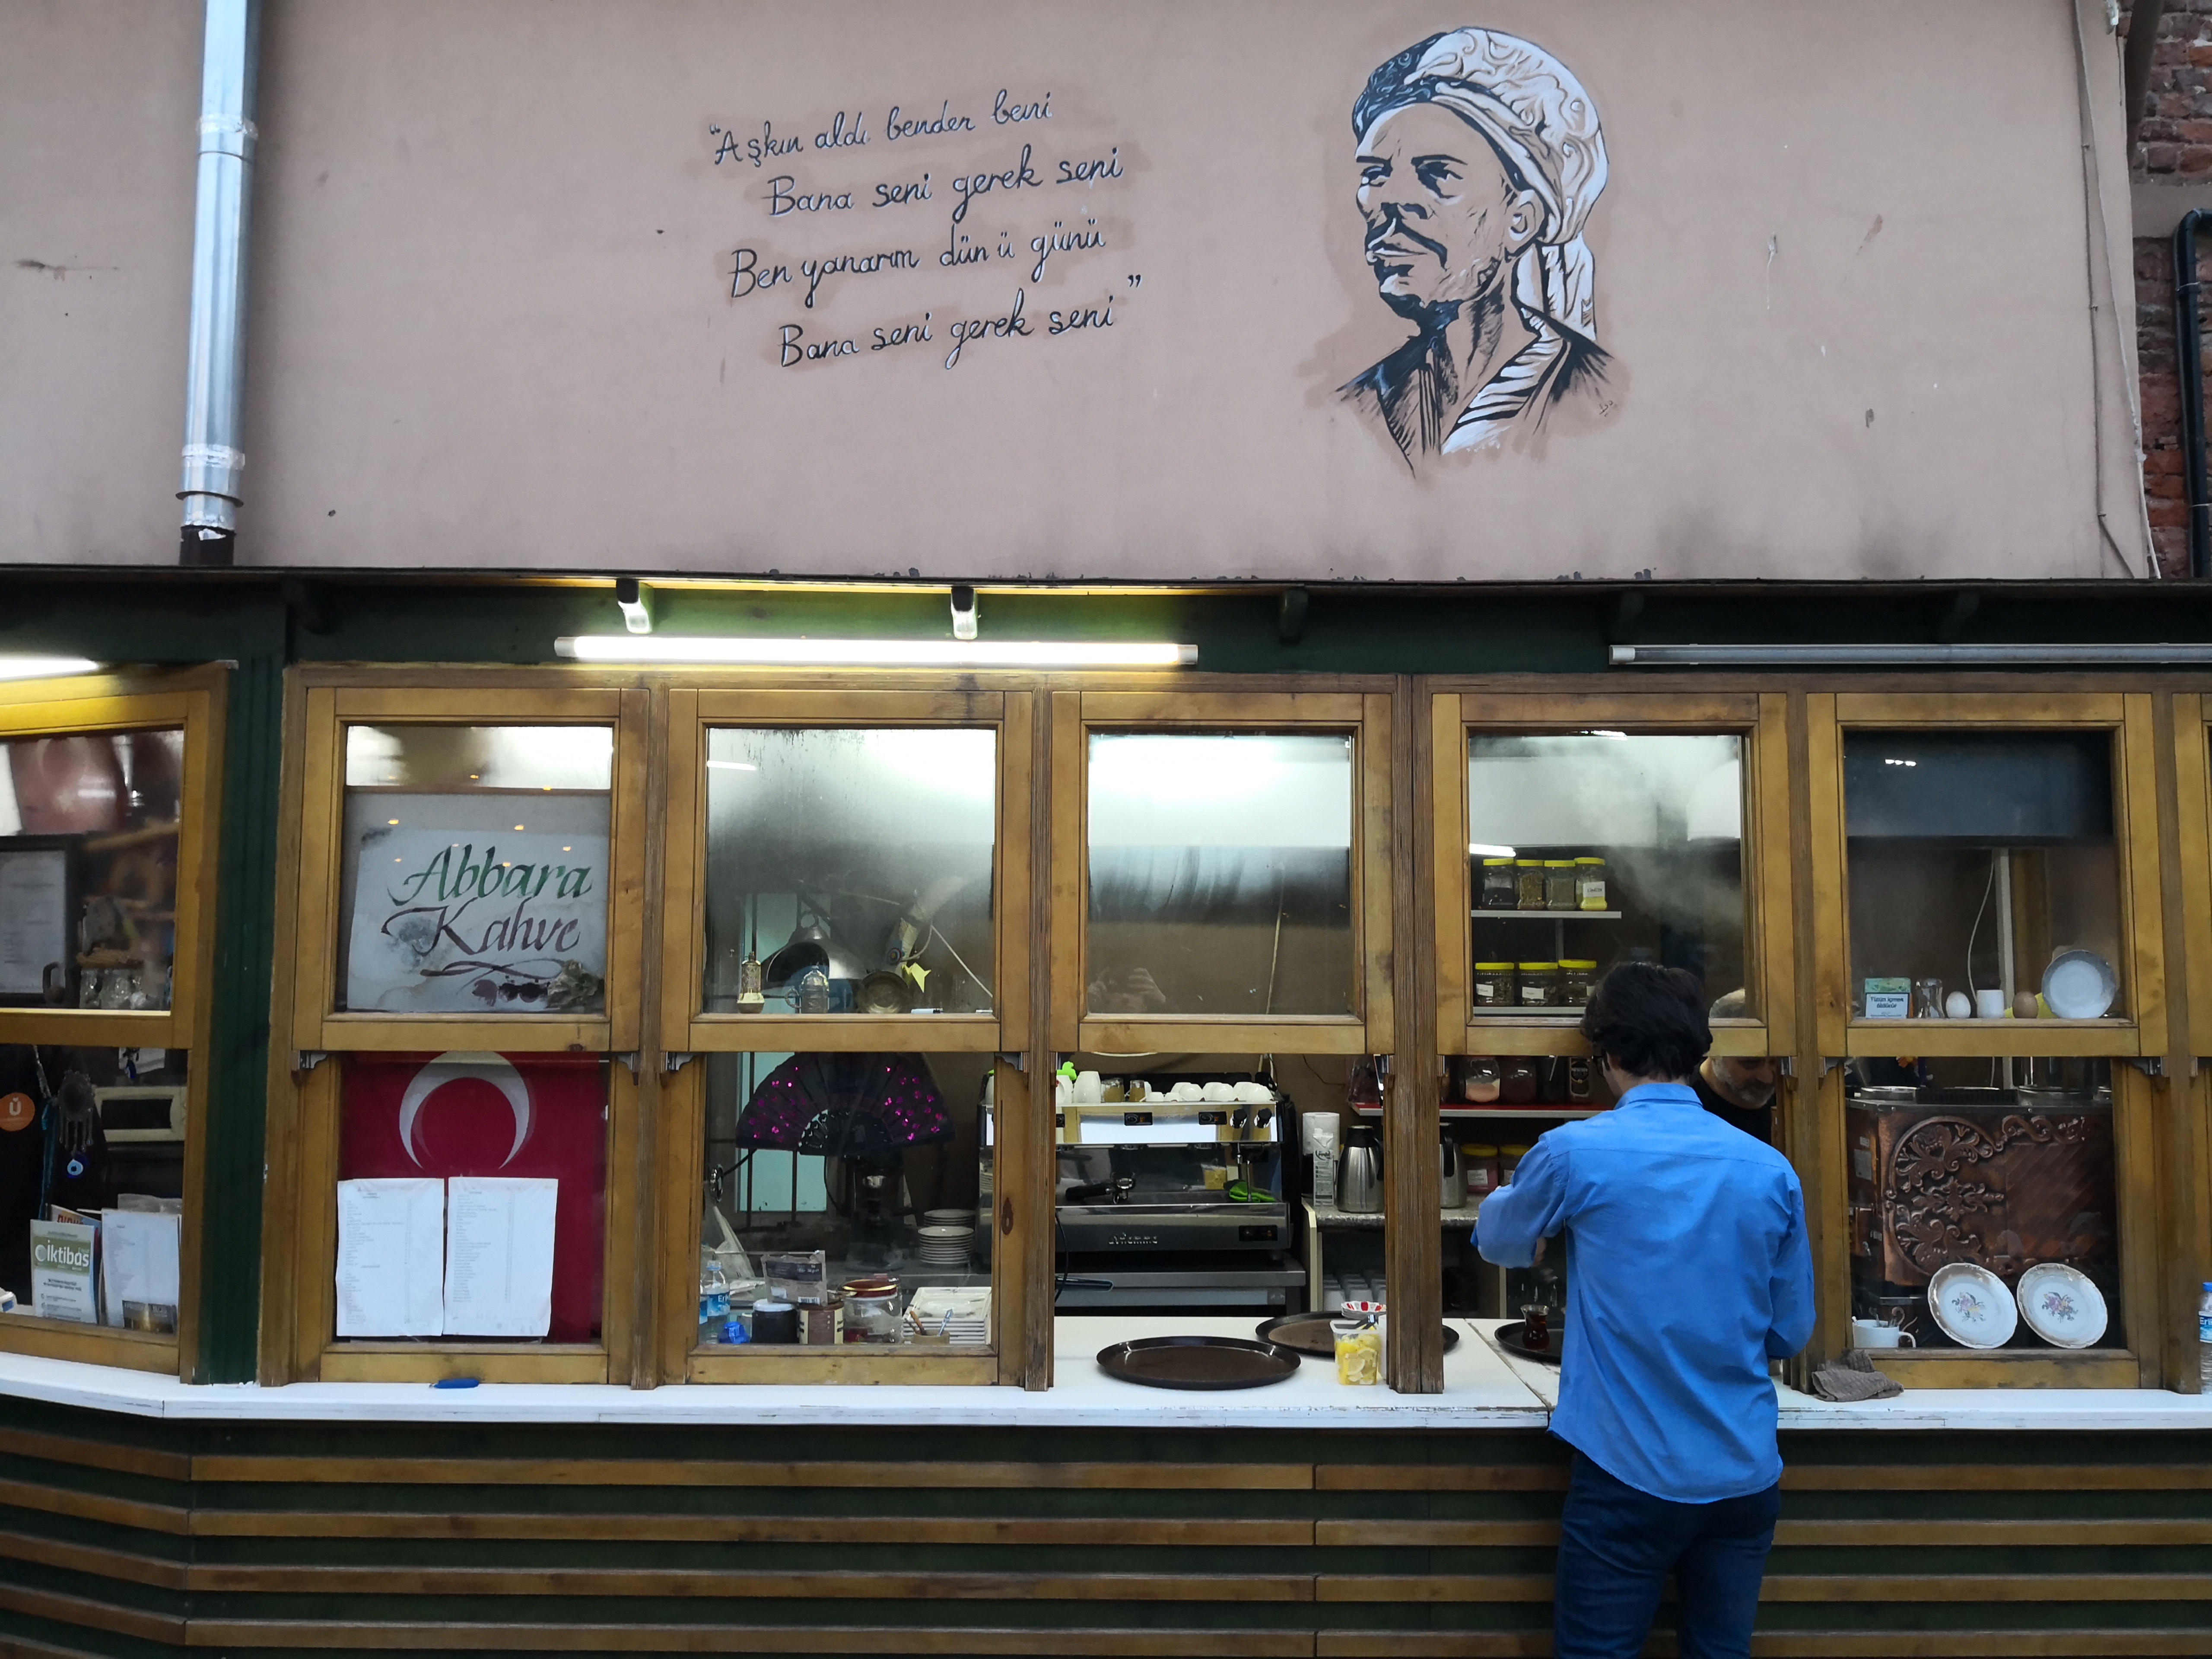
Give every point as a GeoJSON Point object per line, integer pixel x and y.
{"type": "Point", "coordinates": [2188, 358]}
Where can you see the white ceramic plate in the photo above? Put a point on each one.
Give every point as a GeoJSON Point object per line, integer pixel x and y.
{"type": "Point", "coordinates": [2063, 1305]}
{"type": "Point", "coordinates": [1972, 1306]}
{"type": "Point", "coordinates": [2080, 985]}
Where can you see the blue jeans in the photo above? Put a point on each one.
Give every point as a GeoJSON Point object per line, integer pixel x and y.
{"type": "Point", "coordinates": [1617, 1545]}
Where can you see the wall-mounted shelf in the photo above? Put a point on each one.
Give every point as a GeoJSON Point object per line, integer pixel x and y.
{"type": "Point", "coordinates": [1545, 915]}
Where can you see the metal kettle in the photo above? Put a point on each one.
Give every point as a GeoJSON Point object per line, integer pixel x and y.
{"type": "Point", "coordinates": [1451, 1193]}
{"type": "Point", "coordinates": [1359, 1172]}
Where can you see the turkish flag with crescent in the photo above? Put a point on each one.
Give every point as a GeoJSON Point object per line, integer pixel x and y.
{"type": "Point", "coordinates": [494, 1114]}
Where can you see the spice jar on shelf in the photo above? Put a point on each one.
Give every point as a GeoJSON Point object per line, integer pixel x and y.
{"type": "Point", "coordinates": [1509, 1159]}
{"type": "Point", "coordinates": [1516, 1080]}
{"type": "Point", "coordinates": [1589, 885]}
{"type": "Point", "coordinates": [1529, 883]}
{"type": "Point", "coordinates": [1499, 891]}
{"type": "Point", "coordinates": [1478, 1078]}
{"type": "Point", "coordinates": [1539, 985]}
{"type": "Point", "coordinates": [1479, 1159]}
{"type": "Point", "coordinates": [1576, 976]}
{"type": "Point", "coordinates": [1559, 884]}
{"type": "Point", "coordinates": [1494, 988]}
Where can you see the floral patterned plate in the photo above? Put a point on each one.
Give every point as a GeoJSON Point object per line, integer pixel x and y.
{"type": "Point", "coordinates": [1972, 1306]}
{"type": "Point", "coordinates": [2063, 1305]}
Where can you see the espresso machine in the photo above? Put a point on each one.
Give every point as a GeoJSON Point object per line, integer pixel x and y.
{"type": "Point", "coordinates": [1170, 1204]}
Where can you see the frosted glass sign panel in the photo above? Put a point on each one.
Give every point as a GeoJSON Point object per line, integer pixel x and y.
{"type": "Point", "coordinates": [475, 869]}
{"type": "Point", "coordinates": [850, 871]}
{"type": "Point", "coordinates": [1984, 875]}
{"type": "Point", "coordinates": [89, 828]}
{"type": "Point", "coordinates": [1587, 848]}
{"type": "Point", "coordinates": [1221, 871]}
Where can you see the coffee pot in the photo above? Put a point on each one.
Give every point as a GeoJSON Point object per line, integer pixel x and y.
{"type": "Point", "coordinates": [1359, 1172]}
{"type": "Point", "coordinates": [1451, 1193]}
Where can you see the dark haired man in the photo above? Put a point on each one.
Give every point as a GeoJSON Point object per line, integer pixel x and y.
{"type": "Point", "coordinates": [1687, 1271]}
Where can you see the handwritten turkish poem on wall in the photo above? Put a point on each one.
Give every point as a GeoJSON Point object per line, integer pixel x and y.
{"type": "Point", "coordinates": [986, 223]}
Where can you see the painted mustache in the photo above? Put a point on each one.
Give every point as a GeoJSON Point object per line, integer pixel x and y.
{"type": "Point", "coordinates": [1391, 235]}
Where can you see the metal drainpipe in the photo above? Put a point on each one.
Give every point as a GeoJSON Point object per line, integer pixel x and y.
{"type": "Point", "coordinates": [2189, 354]}
{"type": "Point", "coordinates": [215, 371]}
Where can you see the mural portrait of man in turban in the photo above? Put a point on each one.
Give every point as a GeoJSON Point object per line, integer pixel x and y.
{"type": "Point", "coordinates": [1480, 159]}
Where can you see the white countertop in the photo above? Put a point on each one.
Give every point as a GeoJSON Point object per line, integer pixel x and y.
{"type": "Point", "coordinates": [1480, 1391]}
{"type": "Point", "coordinates": [1936, 1408]}
{"type": "Point", "coordinates": [1484, 1388]}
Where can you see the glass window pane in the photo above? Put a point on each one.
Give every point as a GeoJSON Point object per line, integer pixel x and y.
{"type": "Point", "coordinates": [92, 1148]}
{"type": "Point", "coordinates": [850, 871]}
{"type": "Point", "coordinates": [88, 869]}
{"type": "Point", "coordinates": [1588, 849]}
{"type": "Point", "coordinates": [475, 869]}
{"type": "Point", "coordinates": [472, 1196]}
{"type": "Point", "coordinates": [1221, 874]}
{"type": "Point", "coordinates": [845, 1188]}
{"type": "Point", "coordinates": [1982, 1199]}
{"type": "Point", "coordinates": [1983, 874]}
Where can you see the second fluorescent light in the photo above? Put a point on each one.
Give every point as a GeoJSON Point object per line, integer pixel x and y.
{"type": "Point", "coordinates": [735, 651]}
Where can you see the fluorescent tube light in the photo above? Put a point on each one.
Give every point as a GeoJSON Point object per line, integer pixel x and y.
{"type": "Point", "coordinates": [1922, 656]}
{"type": "Point", "coordinates": [45, 668]}
{"type": "Point", "coordinates": [803, 653]}
{"type": "Point", "coordinates": [1477, 850]}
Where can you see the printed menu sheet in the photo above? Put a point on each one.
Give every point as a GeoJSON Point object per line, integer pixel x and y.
{"type": "Point", "coordinates": [392, 1257]}
{"type": "Point", "coordinates": [499, 1256]}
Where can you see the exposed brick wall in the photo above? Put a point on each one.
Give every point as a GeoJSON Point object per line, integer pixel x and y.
{"type": "Point", "coordinates": [2173, 146]}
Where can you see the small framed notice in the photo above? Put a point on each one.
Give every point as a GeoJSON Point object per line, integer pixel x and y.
{"type": "Point", "coordinates": [64, 1284]}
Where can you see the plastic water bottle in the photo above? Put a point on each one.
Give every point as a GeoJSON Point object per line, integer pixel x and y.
{"type": "Point", "coordinates": [713, 1291]}
{"type": "Point", "coordinates": [2204, 1340]}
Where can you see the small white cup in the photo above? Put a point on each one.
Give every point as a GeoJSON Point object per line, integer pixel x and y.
{"type": "Point", "coordinates": [1873, 1334]}
{"type": "Point", "coordinates": [1989, 1004]}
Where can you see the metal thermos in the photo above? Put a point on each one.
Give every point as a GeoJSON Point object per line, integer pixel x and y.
{"type": "Point", "coordinates": [1452, 1193]}
{"type": "Point", "coordinates": [1359, 1172]}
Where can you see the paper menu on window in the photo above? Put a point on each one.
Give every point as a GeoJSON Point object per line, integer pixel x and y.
{"type": "Point", "coordinates": [391, 1258]}
{"type": "Point", "coordinates": [499, 1256]}
{"type": "Point", "coordinates": [138, 1269]}
{"type": "Point", "coordinates": [34, 919]}
{"type": "Point", "coordinates": [61, 1284]}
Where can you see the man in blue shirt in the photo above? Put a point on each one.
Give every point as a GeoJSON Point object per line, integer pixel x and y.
{"type": "Point", "coordinates": [1687, 1271]}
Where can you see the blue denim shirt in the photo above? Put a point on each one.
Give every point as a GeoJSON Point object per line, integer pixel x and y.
{"type": "Point", "coordinates": [1687, 1270]}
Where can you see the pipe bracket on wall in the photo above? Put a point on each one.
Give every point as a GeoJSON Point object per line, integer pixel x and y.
{"type": "Point", "coordinates": [215, 372]}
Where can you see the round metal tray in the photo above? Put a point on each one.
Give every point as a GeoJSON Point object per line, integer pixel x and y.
{"type": "Point", "coordinates": [1509, 1338]}
{"type": "Point", "coordinates": [1206, 1363]}
{"type": "Point", "coordinates": [1309, 1333]}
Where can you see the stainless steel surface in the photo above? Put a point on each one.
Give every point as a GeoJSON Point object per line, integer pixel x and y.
{"type": "Point", "coordinates": [1360, 1178]}
{"type": "Point", "coordinates": [1451, 1189]}
{"type": "Point", "coordinates": [214, 370]}
{"type": "Point", "coordinates": [1106, 1227]}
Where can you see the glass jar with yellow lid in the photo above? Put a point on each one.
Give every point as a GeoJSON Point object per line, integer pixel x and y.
{"type": "Point", "coordinates": [1494, 988]}
{"type": "Point", "coordinates": [1559, 884]}
{"type": "Point", "coordinates": [1529, 881]}
{"type": "Point", "coordinates": [1499, 890]}
{"type": "Point", "coordinates": [1539, 983]}
{"type": "Point", "coordinates": [1589, 885]}
{"type": "Point", "coordinates": [1576, 976]}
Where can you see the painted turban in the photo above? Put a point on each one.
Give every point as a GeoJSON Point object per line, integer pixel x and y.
{"type": "Point", "coordinates": [1543, 126]}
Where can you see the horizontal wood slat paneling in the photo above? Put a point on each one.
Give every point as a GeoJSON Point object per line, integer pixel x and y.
{"type": "Point", "coordinates": [760, 1530]}
{"type": "Point", "coordinates": [613, 1472]}
{"type": "Point", "coordinates": [1170, 1644]}
{"type": "Point", "coordinates": [361, 1539]}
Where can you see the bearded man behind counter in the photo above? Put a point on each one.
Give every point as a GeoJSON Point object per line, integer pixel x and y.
{"type": "Point", "coordinates": [1688, 1270]}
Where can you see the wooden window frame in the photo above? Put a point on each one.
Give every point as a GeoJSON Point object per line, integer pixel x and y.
{"type": "Point", "coordinates": [1366, 716]}
{"type": "Point", "coordinates": [2131, 1044]}
{"type": "Point", "coordinates": [89, 705]}
{"type": "Point", "coordinates": [1757, 718]}
{"type": "Point", "coordinates": [687, 1032]}
{"type": "Point", "coordinates": [309, 1039]}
